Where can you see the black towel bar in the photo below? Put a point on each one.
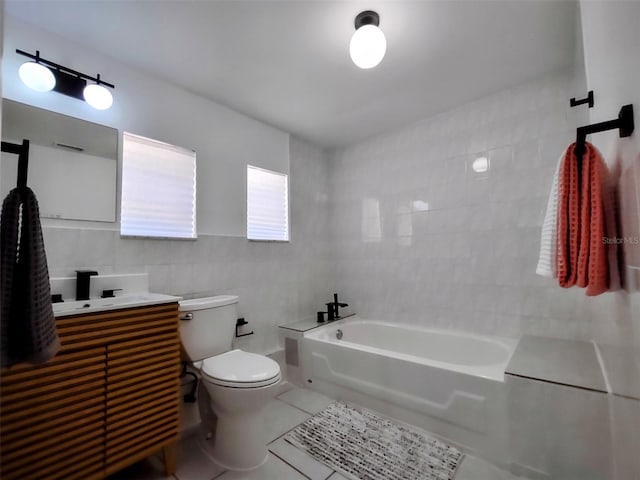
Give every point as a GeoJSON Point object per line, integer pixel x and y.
{"type": "Point", "coordinates": [624, 123]}
{"type": "Point", "coordinates": [23, 159]}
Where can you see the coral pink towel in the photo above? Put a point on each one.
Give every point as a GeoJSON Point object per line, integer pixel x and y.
{"type": "Point", "coordinates": [585, 200]}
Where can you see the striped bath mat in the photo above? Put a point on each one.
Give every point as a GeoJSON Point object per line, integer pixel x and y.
{"type": "Point", "coordinates": [369, 447]}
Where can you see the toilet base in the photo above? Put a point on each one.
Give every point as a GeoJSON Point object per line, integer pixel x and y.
{"type": "Point", "coordinates": [243, 459]}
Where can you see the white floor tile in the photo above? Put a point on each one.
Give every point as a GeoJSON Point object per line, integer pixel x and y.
{"type": "Point", "coordinates": [307, 400]}
{"type": "Point", "coordinates": [273, 469]}
{"type": "Point", "coordinates": [193, 464]}
{"type": "Point", "coordinates": [473, 468]}
{"type": "Point", "coordinates": [285, 462]}
{"type": "Point", "coordinates": [283, 386]}
{"type": "Point", "coordinates": [280, 417]}
{"type": "Point", "coordinates": [300, 460]}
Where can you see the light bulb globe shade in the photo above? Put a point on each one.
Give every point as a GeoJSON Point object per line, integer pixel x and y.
{"type": "Point", "coordinates": [368, 46]}
{"type": "Point", "coordinates": [98, 97]}
{"type": "Point", "coordinates": [36, 76]}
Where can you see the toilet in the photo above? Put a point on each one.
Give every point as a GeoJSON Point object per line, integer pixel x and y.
{"type": "Point", "coordinates": [239, 384]}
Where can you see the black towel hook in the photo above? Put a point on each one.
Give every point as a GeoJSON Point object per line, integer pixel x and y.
{"type": "Point", "coordinates": [589, 99]}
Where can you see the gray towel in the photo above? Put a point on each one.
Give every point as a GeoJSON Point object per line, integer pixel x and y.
{"type": "Point", "coordinates": [27, 325]}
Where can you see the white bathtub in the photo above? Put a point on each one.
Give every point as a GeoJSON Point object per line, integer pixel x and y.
{"type": "Point", "coordinates": [447, 382]}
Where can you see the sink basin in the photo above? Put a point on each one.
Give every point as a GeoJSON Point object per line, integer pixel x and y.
{"type": "Point", "coordinates": [104, 304]}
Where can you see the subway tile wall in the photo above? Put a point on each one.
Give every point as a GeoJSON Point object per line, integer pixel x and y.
{"type": "Point", "coordinates": [277, 282]}
{"type": "Point", "coordinates": [421, 237]}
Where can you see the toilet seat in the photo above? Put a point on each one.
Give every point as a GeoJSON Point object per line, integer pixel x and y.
{"type": "Point", "coordinates": [239, 369]}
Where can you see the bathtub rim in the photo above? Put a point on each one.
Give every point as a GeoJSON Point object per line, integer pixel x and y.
{"type": "Point", "coordinates": [494, 372]}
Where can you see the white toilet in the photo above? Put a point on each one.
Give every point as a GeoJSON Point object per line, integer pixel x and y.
{"type": "Point", "coordinates": [238, 383]}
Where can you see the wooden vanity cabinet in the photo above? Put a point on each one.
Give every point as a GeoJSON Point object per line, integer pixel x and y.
{"type": "Point", "coordinates": [108, 399]}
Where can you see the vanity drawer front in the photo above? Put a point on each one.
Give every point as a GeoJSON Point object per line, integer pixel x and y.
{"type": "Point", "coordinates": [116, 326]}
{"type": "Point", "coordinates": [52, 417]}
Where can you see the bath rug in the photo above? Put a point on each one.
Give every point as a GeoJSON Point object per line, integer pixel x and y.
{"type": "Point", "coordinates": [364, 445]}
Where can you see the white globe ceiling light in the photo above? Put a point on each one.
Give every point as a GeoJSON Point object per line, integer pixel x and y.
{"type": "Point", "coordinates": [37, 77]}
{"type": "Point", "coordinates": [368, 43]}
{"type": "Point", "coordinates": [98, 96]}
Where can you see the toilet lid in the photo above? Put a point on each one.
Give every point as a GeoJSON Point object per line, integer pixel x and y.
{"type": "Point", "coordinates": [241, 369]}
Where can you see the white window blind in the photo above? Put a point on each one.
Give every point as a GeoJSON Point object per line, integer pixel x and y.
{"type": "Point", "coordinates": [267, 205]}
{"type": "Point", "coordinates": [158, 189]}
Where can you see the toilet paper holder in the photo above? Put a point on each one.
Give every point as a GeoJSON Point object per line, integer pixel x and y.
{"type": "Point", "coordinates": [240, 323]}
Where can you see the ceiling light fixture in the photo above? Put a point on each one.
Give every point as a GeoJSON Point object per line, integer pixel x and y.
{"type": "Point", "coordinates": [368, 43]}
{"type": "Point", "coordinates": [43, 75]}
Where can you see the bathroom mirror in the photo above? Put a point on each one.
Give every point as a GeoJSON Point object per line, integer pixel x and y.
{"type": "Point", "coordinates": [72, 162]}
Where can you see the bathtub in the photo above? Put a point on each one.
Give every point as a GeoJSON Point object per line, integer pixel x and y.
{"type": "Point", "coordinates": [447, 382]}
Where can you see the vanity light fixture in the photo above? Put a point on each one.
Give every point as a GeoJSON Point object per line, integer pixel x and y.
{"type": "Point", "coordinates": [368, 43]}
{"type": "Point", "coordinates": [43, 75]}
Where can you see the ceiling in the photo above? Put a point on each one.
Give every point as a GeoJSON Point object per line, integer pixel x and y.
{"type": "Point", "coordinates": [287, 62]}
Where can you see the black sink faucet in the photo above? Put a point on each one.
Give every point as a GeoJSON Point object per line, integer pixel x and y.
{"type": "Point", "coordinates": [333, 308]}
{"type": "Point", "coordinates": [83, 279]}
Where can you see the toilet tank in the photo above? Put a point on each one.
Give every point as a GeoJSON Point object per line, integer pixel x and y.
{"type": "Point", "coordinates": [207, 325]}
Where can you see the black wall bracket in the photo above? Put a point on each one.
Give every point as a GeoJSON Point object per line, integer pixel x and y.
{"type": "Point", "coordinates": [589, 99]}
{"type": "Point", "coordinates": [22, 150]}
{"type": "Point", "coordinates": [624, 124]}
{"type": "Point", "coordinates": [240, 323]}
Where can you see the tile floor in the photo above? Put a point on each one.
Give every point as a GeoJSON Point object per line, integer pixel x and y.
{"type": "Point", "coordinates": [285, 462]}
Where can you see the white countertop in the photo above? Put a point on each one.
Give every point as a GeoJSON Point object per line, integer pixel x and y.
{"type": "Point", "coordinates": [556, 360]}
{"type": "Point", "coordinates": [93, 305]}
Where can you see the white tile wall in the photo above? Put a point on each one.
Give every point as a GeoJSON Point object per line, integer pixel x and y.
{"type": "Point", "coordinates": [401, 226]}
{"type": "Point", "coordinates": [458, 249]}
{"type": "Point", "coordinates": [277, 282]}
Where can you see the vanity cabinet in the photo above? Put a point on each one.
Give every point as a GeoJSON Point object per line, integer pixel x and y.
{"type": "Point", "coordinates": [108, 399]}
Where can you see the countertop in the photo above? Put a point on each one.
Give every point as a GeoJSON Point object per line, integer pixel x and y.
{"type": "Point", "coordinates": [309, 324]}
{"type": "Point", "coordinates": [68, 308]}
{"type": "Point", "coordinates": [566, 362]}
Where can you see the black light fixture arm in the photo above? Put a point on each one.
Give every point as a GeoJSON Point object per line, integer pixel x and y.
{"type": "Point", "coordinates": [62, 68]}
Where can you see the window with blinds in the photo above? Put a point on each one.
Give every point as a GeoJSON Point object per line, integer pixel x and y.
{"type": "Point", "coordinates": [267, 205]}
{"type": "Point", "coordinates": [158, 189]}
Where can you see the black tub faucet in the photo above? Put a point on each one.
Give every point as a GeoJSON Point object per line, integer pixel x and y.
{"type": "Point", "coordinates": [333, 307]}
{"type": "Point", "coordinates": [83, 279]}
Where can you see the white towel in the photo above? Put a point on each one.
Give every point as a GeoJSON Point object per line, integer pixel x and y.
{"type": "Point", "coordinates": [549, 235]}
